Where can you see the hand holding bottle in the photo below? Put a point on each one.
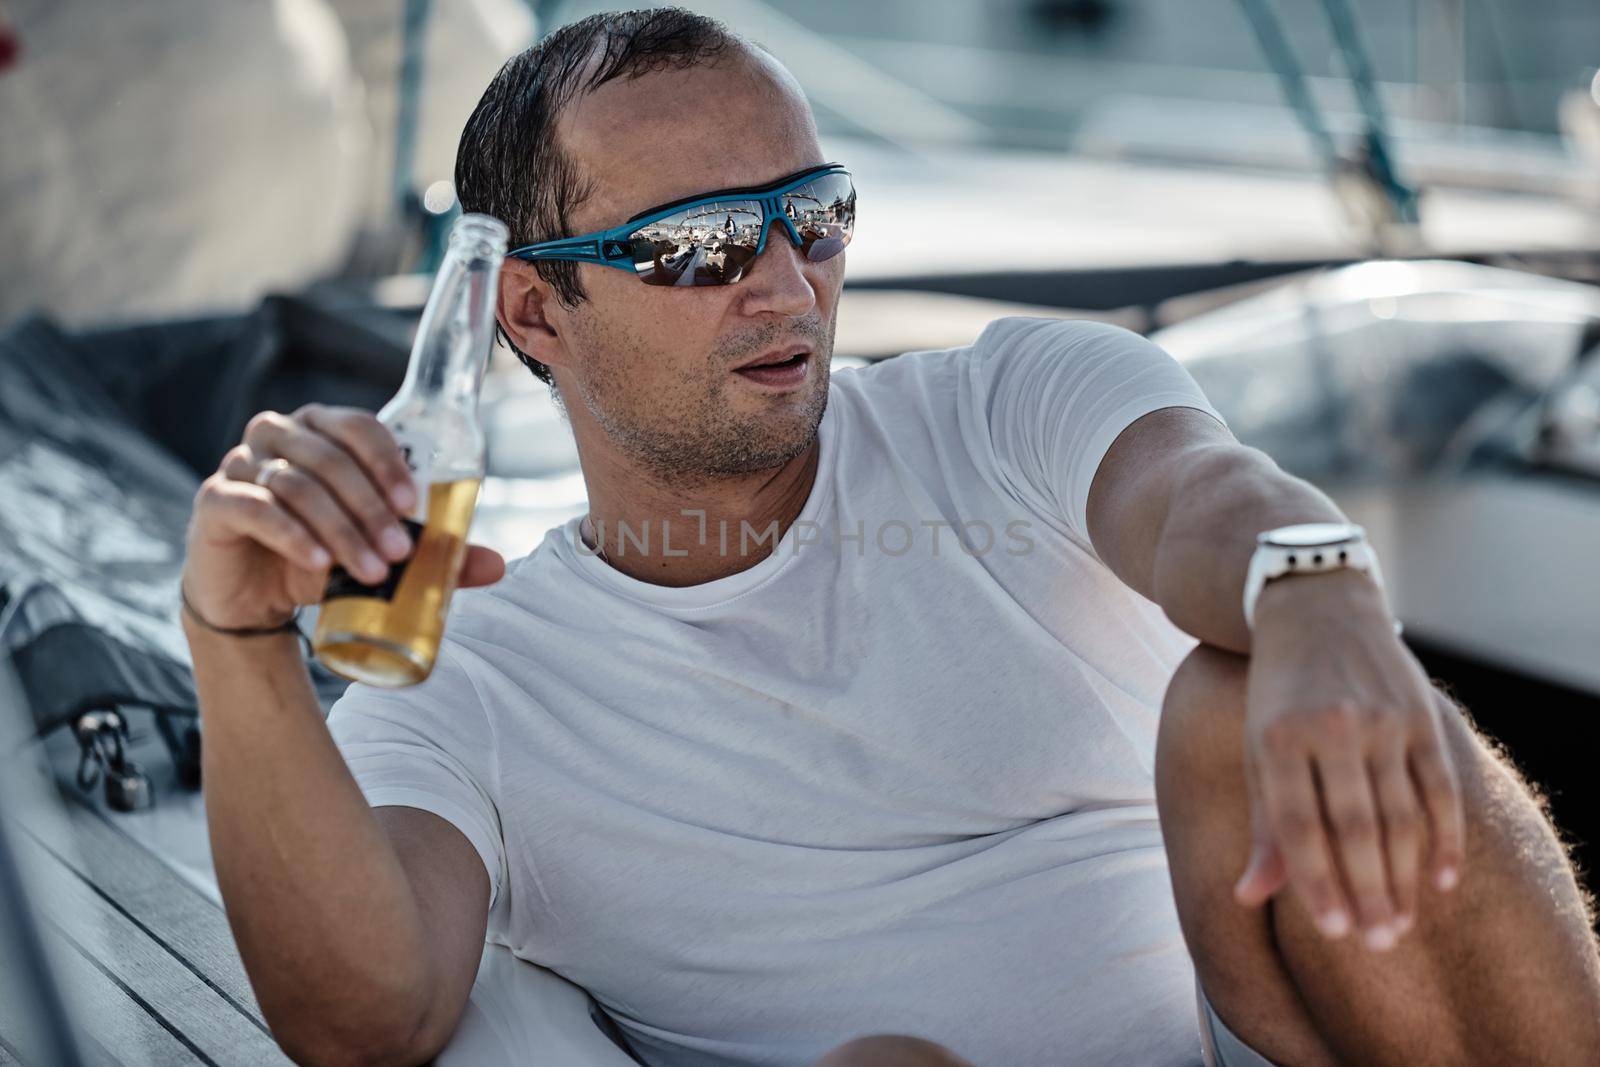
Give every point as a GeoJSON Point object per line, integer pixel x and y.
{"type": "Point", "coordinates": [367, 515]}
{"type": "Point", "coordinates": [302, 492]}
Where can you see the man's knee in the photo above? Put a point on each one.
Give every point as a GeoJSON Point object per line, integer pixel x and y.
{"type": "Point", "coordinates": [1508, 814]}
{"type": "Point", "coordinates": [1518, 898]}
{"type": "Point", "coordinates": [1200, 767]}
{"type": "Point", "coordinates": [891, 1050]}
{"type": "Point", "coordinates": [1208, 681]}
{"type": "Point", "coordinates": [1201, 736]}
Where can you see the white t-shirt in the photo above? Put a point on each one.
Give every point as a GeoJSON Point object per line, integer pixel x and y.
{"type": "Point", "coordinates": [868, 784]}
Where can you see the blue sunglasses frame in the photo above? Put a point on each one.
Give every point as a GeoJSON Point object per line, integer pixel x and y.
{"type": "Point", "coordinates": [612, 248]}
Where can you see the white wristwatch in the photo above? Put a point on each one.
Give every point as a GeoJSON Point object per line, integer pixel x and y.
{"type": "Point", "coordinates": [1309, 548]}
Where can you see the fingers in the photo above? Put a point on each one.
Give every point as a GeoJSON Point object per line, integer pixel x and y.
{"type": "Point", "coordinates": [373, 446]}
{"type": "Point", "coordinates": [1289, 796]}
{"type": "Point", "coordinates": [240, 464]}
{"type": "Point", "coordinates": [346, 480]}
{"type": "Point", "coordinates": [482, 566]}
{"type": "Point", "coordinates": [250, 511]}
{"type": "Point", "coordinates": [1264, 873]}
{"type": "Point", "coordinates": [1441, 798]}
{"type": "Point", "coordinates": [309, 501]}
{"type": "Point", "coordinates": [1263, 876]}
{"type": "Point", "coordinates": [1401, 817]}
{"type": "Point", "coordinates": [1345, 794]}
{"type": "Point", "coordinates": [345, 483]}
{"type": "Point", "coordinates": [1358, 840]}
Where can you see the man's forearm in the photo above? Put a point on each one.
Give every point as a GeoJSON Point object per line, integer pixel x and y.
{"type": "Point", "coordinates": [1225, 497]}
{"type": "Point", "coordinates": [320, 906]}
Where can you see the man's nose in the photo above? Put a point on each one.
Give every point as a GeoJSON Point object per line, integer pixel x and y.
{"type": "Point", "coordinates": [780, 279]}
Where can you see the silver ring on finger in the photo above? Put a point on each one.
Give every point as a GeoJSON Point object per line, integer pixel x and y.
{"type": "Point", "coordinates": [269, 468]}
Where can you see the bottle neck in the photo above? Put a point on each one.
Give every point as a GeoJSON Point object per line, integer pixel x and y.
{"type": "Point", "coordinates": [455, 336]}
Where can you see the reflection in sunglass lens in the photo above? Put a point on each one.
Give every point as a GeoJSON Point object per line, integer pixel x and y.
{"type": "Point", "coordinates": [708, 244]}
{"type": "Point", "coordinates": [715, 243]}
{"type": "Point", "coordinates": [823, 213]}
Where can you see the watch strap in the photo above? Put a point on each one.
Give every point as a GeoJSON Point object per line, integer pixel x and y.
{"type": "Point", "coordinates": [1270, 562]}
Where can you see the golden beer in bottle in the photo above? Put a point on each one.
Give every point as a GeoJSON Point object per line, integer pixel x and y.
{"type": "Point", "coordinates": [388, 634]}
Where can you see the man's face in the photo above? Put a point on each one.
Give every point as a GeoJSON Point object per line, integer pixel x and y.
{"type": "Point", "coordinates": [653, 366]}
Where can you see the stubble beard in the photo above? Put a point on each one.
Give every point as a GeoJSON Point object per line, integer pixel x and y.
{"type": "Point", "coordinates": [698, 439]}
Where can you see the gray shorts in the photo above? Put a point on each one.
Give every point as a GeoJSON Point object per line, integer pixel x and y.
{"type": "Point", "coordinates": [1221, 1046]}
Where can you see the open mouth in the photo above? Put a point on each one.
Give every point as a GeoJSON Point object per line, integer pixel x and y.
{"type": "Point", "coordinates": [786, 372]}
{"type": "Point", "coordinates": [794, 360]}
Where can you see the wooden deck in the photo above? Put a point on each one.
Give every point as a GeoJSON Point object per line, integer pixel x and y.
{"type": "Point", "coordinates": [148, 960]}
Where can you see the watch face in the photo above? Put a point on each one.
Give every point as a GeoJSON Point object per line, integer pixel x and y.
{"type": "Point", "coordinates": [1312, 534]}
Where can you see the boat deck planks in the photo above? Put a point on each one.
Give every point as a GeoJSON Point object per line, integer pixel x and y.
{"type": "Point", "coordinates": [152, 958]}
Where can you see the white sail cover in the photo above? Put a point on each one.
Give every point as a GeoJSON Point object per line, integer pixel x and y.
{"type": "Point", "coordinates": [174, 156]}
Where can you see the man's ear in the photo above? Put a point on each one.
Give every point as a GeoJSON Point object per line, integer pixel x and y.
{"type": "Point", "coordinates": [525, 302]}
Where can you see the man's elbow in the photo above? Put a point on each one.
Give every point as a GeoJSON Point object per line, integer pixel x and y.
{"type": "Point", "coordinates": [378, 1049]}
{"type": "Point", "coordinates": [399, 1041]}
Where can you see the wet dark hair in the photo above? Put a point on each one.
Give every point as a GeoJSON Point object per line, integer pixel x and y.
{"type": "Point", "coordinates": [510, 163]}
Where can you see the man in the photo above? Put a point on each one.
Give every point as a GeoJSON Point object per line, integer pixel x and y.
{"type": "Point", "coordinates": [782, 777]}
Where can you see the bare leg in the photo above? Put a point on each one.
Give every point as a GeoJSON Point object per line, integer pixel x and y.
{"type": "Point", "coordinates": [891, 1050]}
{"type": "Point", "coordinates": [1501, 970]}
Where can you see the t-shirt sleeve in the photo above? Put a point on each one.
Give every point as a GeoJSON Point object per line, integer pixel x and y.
{"type": "Point", "coordinates": [427, 746]}
{"type": "Point", "coordinates": [1053, 394]}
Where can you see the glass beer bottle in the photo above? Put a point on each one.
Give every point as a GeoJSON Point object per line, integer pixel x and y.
{"type": "Point", "coordinates": [388, 634]}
